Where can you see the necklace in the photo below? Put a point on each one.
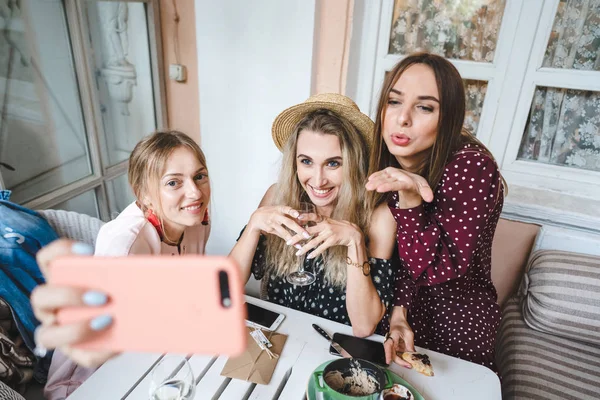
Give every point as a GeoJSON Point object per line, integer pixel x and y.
{"type": "Point", "coordinates": [172, 243]}
{"type": "Point", "coordinates": [153, 219]}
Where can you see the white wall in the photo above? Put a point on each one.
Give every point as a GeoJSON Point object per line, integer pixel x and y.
{"type": "Point", "coordinates": [254, 60]}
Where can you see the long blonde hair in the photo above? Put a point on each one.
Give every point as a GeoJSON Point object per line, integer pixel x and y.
{"type": "Point", "coordinates": [147, 164]}
{"type": "Point", "coordinates": [349, 206]}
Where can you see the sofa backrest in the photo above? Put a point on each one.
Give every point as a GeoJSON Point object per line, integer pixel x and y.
{"type": "Point", "coordinates": [572, 240]}
{"type": "Point", "coordinates": [513, 241]}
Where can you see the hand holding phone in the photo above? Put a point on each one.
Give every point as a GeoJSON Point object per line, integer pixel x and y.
{"type": "Point", "coordinates": [159, 303]}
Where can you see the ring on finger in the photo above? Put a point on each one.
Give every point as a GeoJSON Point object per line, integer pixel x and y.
{"type": "Point", "coordinates": [388, 336]}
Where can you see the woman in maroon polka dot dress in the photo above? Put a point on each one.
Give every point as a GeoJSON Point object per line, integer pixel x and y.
{"type": "Point", "coordinates": [445, 194]}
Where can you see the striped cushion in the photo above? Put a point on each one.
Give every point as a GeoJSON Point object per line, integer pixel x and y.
{"type": "Point", "coordinates": [6, 393]}
{"type": "Point", "coordinates": [536, 365]}
{"type": "Point", "coordinates": [563, 295]}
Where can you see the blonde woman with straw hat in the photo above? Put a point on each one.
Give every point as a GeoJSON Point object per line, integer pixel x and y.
{"type": "Point", "coordinates": [306, 241]}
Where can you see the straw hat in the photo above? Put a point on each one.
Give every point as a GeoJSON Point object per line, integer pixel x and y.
{"type": "Point", "coordinates": [343, 106]}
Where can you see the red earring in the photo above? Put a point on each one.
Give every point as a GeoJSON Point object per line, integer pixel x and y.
{"type": "Point", "coordinates": [205, 221]}
{"type": "Point", "coordinates": [150, 216]}
{"type": "Point", "coordinates": [153, 219]}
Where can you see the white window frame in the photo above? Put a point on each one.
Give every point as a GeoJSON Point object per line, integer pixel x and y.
{"type": "Point", "coordinates": [102, 174]}
{"type": "Point", "coordinates": [579, 182]}
{"type": "Point", "coordinates": [512, 78]}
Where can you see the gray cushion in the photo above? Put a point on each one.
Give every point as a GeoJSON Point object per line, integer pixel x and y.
{"type": "Point", "coordinates": [536, 365]}
{"type": "Point", "coordinates": [563, 295]}
{"type": "Point", "coordinates": [73, 225]}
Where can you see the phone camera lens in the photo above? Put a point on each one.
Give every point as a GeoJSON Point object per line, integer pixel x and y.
{"type": "Point", "coordinates": [224, 287]}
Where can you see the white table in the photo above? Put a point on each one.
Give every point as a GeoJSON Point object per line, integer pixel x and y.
{"type": "Point", "coordinates": [126, 376]}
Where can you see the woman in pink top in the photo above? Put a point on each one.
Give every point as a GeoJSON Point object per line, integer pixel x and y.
{"type": "Point", "coordinates": [168, 175]}
{"type": "Point", "coordinates": [441, 193]}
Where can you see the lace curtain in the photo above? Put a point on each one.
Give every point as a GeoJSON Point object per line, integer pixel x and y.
{"type": "Point", "coordinates": [457, 29]}
{"type": "Point", "coordinates": [564, 125]}
{"type": "Point", "coordinates": [475, 93]}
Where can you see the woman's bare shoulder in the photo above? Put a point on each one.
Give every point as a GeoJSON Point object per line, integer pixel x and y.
{"type": "Point", "coordinates": [269, 196]}
{"type": "Point", "coordinates": [382, 233]}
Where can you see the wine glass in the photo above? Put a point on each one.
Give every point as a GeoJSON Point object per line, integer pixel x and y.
{"type": "Point", "coordinates": [172, 379]}
{"type": "Point", "coordinates": [302, 277]}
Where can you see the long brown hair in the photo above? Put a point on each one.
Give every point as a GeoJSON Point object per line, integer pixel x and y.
{"type": "Point", "coordinates": [349, 204]}
{"type": "Point", "coordinates": [451, 135]}
{"type": "Point", "coordinates": [148, 161]}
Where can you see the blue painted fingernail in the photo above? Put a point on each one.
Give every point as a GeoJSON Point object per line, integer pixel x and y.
{"type": "Point", "coordinates": [297, 246]}
{"type": "Point", "coordinates": [82, 249]}
{"type": "Point", "coordinates": [310, 256]}
{"type": "Point", "coordinates": [101, 322]}
{"type": "Point", "coordinates": [298, 252]}
{"type": "Point", "coordinates": [93, 298]}
{"type": "Point", "coordinates": [40, 351]}
{"type": "Point", "coordinates": [306, 235]}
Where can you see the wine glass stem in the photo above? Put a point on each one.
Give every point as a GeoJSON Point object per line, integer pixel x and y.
{"type": "Point", "coordinates": [301, 269]}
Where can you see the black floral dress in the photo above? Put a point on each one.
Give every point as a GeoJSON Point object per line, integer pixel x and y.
{"type": "Point", "coordinates": [322, 298]}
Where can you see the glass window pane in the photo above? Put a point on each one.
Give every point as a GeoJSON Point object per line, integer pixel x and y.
{"type": "Point", "coordinates": [42, 131]}
{"type": "Point", "coordinates": [563, 129]}
{"type": "Point", "coordinates": [121, 51]}
{"type": "Point", "coordinates": [475, 93]}
{"type": "Point", "coordinates": [575, 38]}
{"type": "Point", "coordinates": [463, 30]}
{"type": "Point", "coordinates": [120, 195]}
{"type": "Point", "coordinates": [85, 203]}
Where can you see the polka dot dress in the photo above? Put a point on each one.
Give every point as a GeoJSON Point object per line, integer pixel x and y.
{"type": "Point", "coordinates": [321, 298]}
{"type": "Point", "coordinates": [445, 248]}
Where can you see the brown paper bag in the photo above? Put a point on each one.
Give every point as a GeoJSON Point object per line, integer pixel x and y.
{"type": "Point", "coordinates": [255, 365]}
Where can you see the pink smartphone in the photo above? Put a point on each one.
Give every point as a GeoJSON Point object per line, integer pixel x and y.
{"type": "Point", "coordinates": [186, 304]}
